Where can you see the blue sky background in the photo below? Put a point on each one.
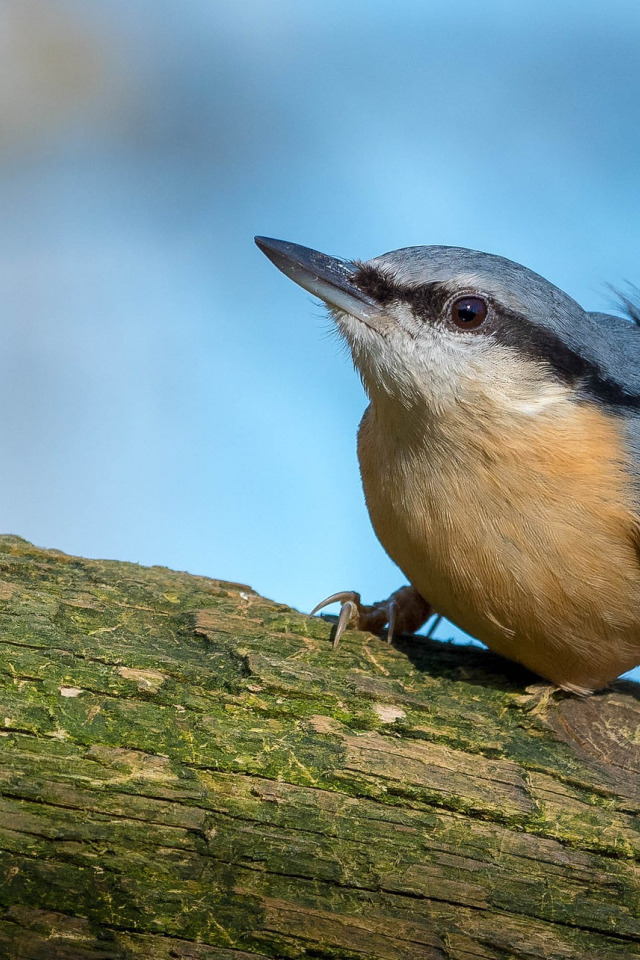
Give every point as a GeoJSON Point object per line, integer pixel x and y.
{"type": "Point", "coordinates": [168, 396]}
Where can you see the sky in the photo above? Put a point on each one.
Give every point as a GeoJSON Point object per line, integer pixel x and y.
{"type": "Point", "coordinates": [169, 397]}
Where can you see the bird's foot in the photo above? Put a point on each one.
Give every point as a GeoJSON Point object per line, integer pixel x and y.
{"type": "Point", "coordinates": [403, 612]}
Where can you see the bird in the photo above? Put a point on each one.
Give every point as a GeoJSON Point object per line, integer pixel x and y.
{"type": "Point", "coordinates": [499, 453]}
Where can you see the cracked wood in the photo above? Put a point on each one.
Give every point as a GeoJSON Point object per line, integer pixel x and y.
{"type": "Point", "coordinates": [188, 771]}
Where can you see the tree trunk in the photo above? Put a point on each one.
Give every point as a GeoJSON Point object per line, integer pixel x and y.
{"type": "Point", "coordinates": [188, 770]}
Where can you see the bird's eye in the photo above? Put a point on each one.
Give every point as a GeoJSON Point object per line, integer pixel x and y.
{"type": "Point", "coordinates": [467, 313]}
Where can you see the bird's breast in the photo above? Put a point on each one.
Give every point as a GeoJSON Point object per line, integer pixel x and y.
{"type": "Point", "coordinates": [520, 529]}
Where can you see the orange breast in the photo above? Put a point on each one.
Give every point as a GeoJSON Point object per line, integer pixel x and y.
{"type": "Point", "coordinates": [521, 529]}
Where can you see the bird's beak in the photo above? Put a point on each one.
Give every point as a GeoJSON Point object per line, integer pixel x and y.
{"type": "Point", "coordinates": [325, 277]}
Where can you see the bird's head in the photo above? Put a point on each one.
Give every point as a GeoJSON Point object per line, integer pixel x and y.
{"type": "Point", "coordinates": [431, 327]}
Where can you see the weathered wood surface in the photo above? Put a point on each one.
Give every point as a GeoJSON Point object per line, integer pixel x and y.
{"type": "Point", "coordinates": [187, 770]}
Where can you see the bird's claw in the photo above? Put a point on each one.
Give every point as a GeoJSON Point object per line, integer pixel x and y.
{"type": "Point", "coordinates": [350, 611]}
{"type": "Point", "coordinates": [393, 617]}
{"type": "Point", "coordinates": [348, 614]}
{"type": "Point", "coordinates": [345, 596]}
{"type": "Point", "coordinates": [405, 610]}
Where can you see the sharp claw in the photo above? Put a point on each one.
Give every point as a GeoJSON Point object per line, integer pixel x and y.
{"type": "Point", "coordinates": [347, 596]}
{"type": "Point", "coordinates": [393, 616]}
{"type": "Point", "coordinates": [349, 610]}
{"type": "Point", "coordinates": [434, 626]}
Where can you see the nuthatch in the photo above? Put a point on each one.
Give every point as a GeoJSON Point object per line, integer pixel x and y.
{"type": "Point", "coordinates": [500, 453]}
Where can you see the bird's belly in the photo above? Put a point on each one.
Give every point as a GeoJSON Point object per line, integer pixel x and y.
{"type": "Point", "coordinates": [539, 564]}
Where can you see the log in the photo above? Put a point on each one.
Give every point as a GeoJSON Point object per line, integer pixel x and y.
{"type": "Point", "coordinates": [187, 770]}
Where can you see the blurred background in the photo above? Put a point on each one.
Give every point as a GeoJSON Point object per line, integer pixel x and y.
{"type": "Point", "coordinates": [167, 396]}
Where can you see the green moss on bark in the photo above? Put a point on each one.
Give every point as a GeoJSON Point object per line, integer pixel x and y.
{"type": "Point", "coordinates": [187, 770]}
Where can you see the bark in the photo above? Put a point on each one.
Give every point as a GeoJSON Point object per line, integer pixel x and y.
{"type": "Point", "coordinates": [187, 770]}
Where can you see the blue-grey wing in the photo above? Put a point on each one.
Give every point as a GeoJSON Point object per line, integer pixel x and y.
{"type": "Point", "coordinates": [613, 343]}
{"type": "Point", "coordinates": [616, 349]}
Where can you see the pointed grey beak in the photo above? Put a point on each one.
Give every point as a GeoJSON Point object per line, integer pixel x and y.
{"type": "Point", "coordinates": [325, 277]}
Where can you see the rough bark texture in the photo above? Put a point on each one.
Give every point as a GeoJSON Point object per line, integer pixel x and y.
{"type": "Point", "coordinates": [187, 770]}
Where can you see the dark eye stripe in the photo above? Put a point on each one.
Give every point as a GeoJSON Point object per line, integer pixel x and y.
{"type": "Point", "coordinates": [430, 301]}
